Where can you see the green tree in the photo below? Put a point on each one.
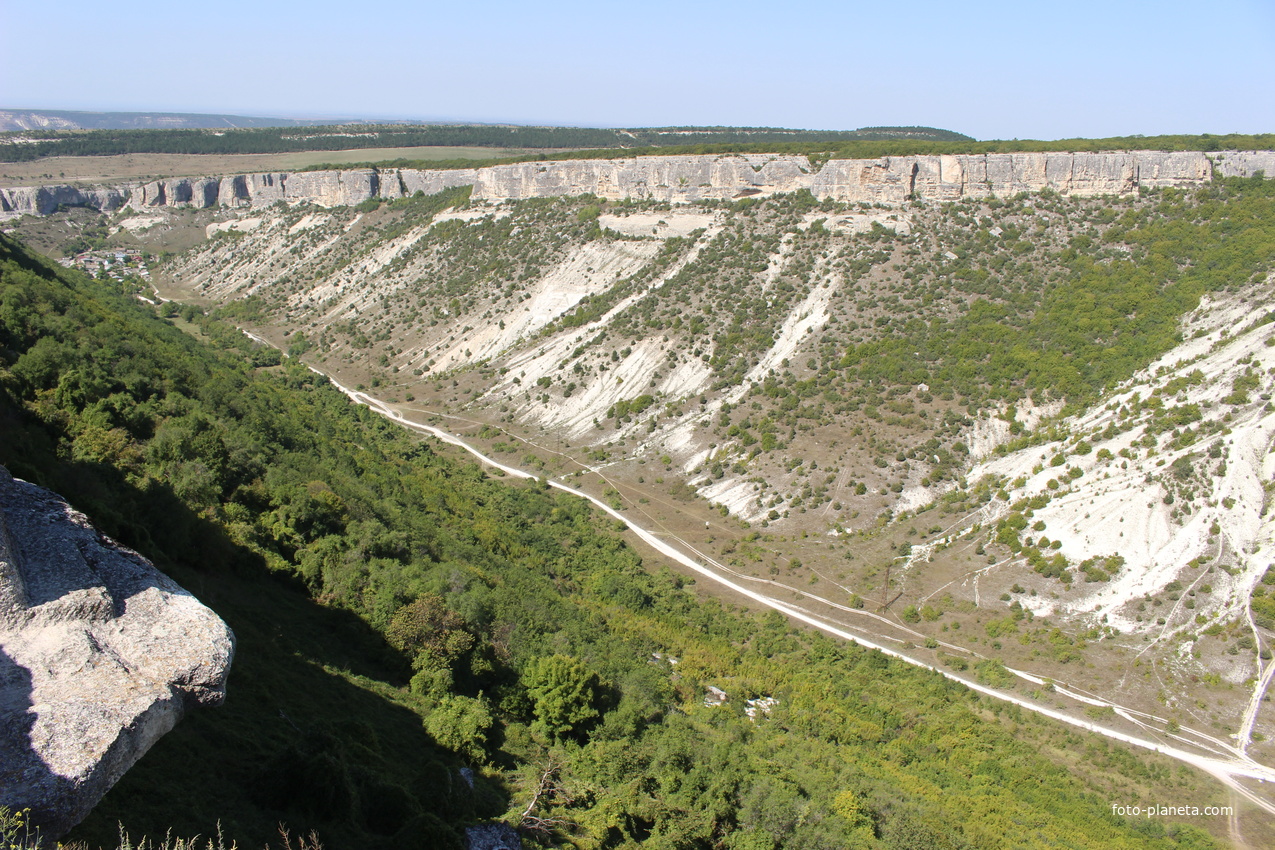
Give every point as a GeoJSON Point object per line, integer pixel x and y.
{"type": "Point", "coordinates": [429, 631]}
{"type": "Point", "coordinates": [462, 724]}
{"type": "Point", "coordinates": [562, 691]}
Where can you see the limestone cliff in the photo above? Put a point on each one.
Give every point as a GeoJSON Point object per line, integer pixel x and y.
{"type": "Point", "coordinates": [43, 200]}
{"type": "Point", "coordinates": [680, 179]}
{"type": "Point", "coordinates": [1245, 163]}
{"type": "Point", "coordinates": [100, 655]}
{"type": "Point", "coordinates": [889, 180]}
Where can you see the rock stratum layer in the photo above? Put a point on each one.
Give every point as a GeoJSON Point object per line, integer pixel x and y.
{"type": "Point", "coordinates": [888, 180]}
{"type": "Point", "coordinates": [100, 655]}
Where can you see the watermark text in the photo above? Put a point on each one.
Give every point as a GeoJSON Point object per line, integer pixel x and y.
{"type": "Point", "coordinates": [1156, 810]}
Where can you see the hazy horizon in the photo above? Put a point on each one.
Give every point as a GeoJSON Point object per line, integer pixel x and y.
{"type": "Point", "coordinates": [991, 69]}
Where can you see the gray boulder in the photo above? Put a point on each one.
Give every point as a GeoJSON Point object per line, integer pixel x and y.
{"type": "Point", "coordinates": [100, 655]}
{"type": "Point", "coordinates": [492, 836]}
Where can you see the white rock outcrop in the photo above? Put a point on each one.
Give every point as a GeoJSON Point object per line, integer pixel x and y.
{"type": "Point", "coordinates": [1245, 163]}
{"type": "Point", "coordinates": [100, 655]}
{"type": "Point", "coordinates": [889, 180]}
{"type": "Point", "coordinates": [44, 200]}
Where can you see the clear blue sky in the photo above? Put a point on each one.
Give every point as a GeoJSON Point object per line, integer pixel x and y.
{"type": "Point", "coordinates": [988, 68]}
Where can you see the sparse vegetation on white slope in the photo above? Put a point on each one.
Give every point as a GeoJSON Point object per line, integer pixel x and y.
{"type": "Point", "coordinates": [918, 406]}
{"type": "Point", "coordinates": [1172, 475]}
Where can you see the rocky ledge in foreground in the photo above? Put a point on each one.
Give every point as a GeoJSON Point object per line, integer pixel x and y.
{"type": "Point", "coordinates": [100, 655]}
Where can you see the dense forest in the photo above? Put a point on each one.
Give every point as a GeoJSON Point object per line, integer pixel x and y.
{"type": "Point", "coordinates": [422, 647]}
{"type": "Point", "coordinates": [43, 143]}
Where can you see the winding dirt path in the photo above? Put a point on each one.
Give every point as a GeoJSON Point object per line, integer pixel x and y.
{"type": "Point", "coordinates": [1225, 762]}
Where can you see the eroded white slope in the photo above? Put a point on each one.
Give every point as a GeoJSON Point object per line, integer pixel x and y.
{"type": "Point", "coordinates": [738, 492]}
{"type": "Point", "coordinates": [628, 377]}
{"type": "Point", "coordinates": [590, 269]}
{"type": "Point", "coordinates": [1167, 500]}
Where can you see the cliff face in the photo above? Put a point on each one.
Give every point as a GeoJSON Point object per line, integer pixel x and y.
{"type": "Point", "coordinates": [948, 178]}
{"type": "Point", "coordinates": [1245, 163]}
{"type": "Point", "coordinates": [100, 655]}
{"type": "Point", "coordinates": [43, 200]}
{"type": "Point", "coordinates": [889, 180]}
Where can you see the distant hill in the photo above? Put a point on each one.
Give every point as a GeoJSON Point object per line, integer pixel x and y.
{"type": "Point", "coordinates": [54, 119]}
{"type": "Point", "coordinates": [98, 134]}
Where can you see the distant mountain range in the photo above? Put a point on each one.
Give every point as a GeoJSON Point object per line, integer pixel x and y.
{"type": "Point", "coordinates": [56, 119]}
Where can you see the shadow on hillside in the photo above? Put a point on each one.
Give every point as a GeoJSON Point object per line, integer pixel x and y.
{"type": "Point", "coordinates": [314, 733]}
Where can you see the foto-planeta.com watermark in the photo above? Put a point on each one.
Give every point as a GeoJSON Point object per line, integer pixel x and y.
{"type": "Point", "coordinates": [1159, 811]}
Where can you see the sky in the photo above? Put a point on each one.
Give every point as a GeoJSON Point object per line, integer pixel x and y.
{"type": "Point", "coordinates": [991, 69]}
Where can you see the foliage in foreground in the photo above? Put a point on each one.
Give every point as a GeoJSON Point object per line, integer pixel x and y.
{"type": "Point", "coordinates": [17, 833]}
